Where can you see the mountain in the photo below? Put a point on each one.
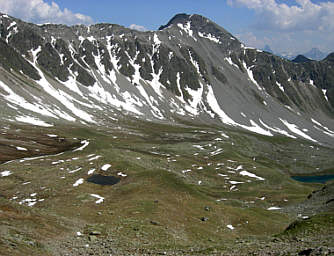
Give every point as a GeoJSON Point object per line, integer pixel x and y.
{"type": "Point", "coordinates": [301, 59]}
{"type": "Point", "coordinates": [191, 69]}
{"type": "Point", "coordinates": [315, 54]}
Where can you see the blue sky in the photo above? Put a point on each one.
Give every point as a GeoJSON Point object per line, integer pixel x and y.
{"type": "Point", "coordinates": [152, 13]}
{"type": "Point", "coordinates": [285, 25]}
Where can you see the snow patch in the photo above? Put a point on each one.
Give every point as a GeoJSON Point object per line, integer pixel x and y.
{"type": "Point", "coordinates": [94, 158]}
{"type": "Point", "coordinates": [277, 130]}
{"type": "Point", "coordinates": [186, 171]}
{"type": "Point", "coordinates": [21, 149]}
{"type": "Point", "coordinates": [196, 100]}
{"type": "Point", "coordinates": [105, 167]}
{"type": "Point", "coordinates": [156, 112]}
{"type": "Point", "coordinates": [61, 96]}
{"type": "Point", "coordinates": [326, 129]}
{"type": "Point", "coordinates": [156, 39]}
{"type": "Point", "coordinates": [57, 162]}
{"type": "Point", "coordinates": [209, 37]}
{"type": "Point", "coordinates": [187, 28]}
{"type": "Point", "coordinates": [235, 182]}
{"type": "Point", "coordinates": [52, 135]}
{"type": "Point", "coordinates": [251, 77]}
{"type": "Point", "coordinates": [85, 144]}
{"type": "Point", "coordinates": [216, 152]}
{"type": "Point", "coordinates": [75, 170]}
{"type": "Point", "coordinates": [229, 60]}
{"type": "Point", "coordinates": [5, 173]}
{"type": "Point", "coordinates": [29, 201]}
{"type": "Point", "coordinates": [78, 182]}
{"type": "Point", "coordinates": [211, 99]}
{"type": "Point", "coordinates": [230, 227]}
{"type": "Point", "coordinates": [257, 129]}
{"type": "Point", "coordinates": [274, 208]}
{"type": "Point", "coordinates": [100, 94]}
{"type": "Point", "coordinates": [122, 174]}
{"type": "Point", "coordinates": [17, 100]}
{"type": "Point", "coordinates": [91, 171]}
{"type": "Point", "coordinates": [295, 129]}
{"type": "Point", "coordinates": [252, 175]}
{"type": "Point", "coordinates": [100, 198]}
{"type": "Point", "coordinates": [324, 93]}
{"type": "Point", "coordinates": [32, 120]}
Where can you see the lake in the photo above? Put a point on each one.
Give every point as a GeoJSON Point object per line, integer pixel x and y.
{"type": "Point", "coordinates": [314, 179]}
{"type": "Point", "coordinates": [103, 180]}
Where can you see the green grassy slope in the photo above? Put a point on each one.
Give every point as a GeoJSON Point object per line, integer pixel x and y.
{"type": "Point", "coordinates": [182, 190]}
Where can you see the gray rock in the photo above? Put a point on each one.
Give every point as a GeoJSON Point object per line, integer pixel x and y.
{"type": "Point", "coordinates": [154, 222]}
{"type": "Point", "coordinates": [95, 233]}
{"type": "Point", "coordinates": [92, 238]}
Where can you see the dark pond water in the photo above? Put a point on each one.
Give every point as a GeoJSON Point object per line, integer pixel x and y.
{"type": "Point", "coordinates": [314, 179]}
{"type": "Point", "coordinates": [103, 180]}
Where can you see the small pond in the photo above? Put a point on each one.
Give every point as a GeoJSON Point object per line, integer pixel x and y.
{"type": "Point", "coordinates": [103, 180]}
{"type": "Point", "coordinates": [314, 179]}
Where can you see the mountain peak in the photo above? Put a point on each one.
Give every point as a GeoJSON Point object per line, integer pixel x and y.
{"type": "Point", "coordinates": [301, 59]}
{"type": "Point", "coordinates": [183, 18]}
{"type": "Point", "coordinates": [197, 23]}
{"type": "Point", "coordinates": [315, 54]}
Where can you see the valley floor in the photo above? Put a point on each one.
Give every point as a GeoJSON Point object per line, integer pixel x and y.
{"type": "Point", "coordinates": [176, 190]}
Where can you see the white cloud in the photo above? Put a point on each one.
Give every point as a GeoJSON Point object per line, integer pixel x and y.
{"type": "Point", "coordinates": [250, 39]}
{"type": "Point", "coordinates": [295, 27]}
{"type": "Point", "coordinates": [39, 11]}
{"type": "Point", "coordinates": [137, 27]}
{"type": "Point", "coordinates": [303, 16]}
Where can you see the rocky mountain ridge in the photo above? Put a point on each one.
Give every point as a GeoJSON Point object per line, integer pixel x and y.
{"type": "Point", "coordinates": [190, 69]}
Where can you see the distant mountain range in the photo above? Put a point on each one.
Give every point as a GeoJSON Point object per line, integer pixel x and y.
{"type": "Point", "coordinates": [313, 54]}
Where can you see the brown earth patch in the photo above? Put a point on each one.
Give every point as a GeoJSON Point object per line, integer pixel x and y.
{"type": "Point", "coordinates": [34, 141]}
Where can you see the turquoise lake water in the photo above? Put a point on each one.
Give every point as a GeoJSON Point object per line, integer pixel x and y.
{"type": "Point", "coordinates": [314, 179]}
